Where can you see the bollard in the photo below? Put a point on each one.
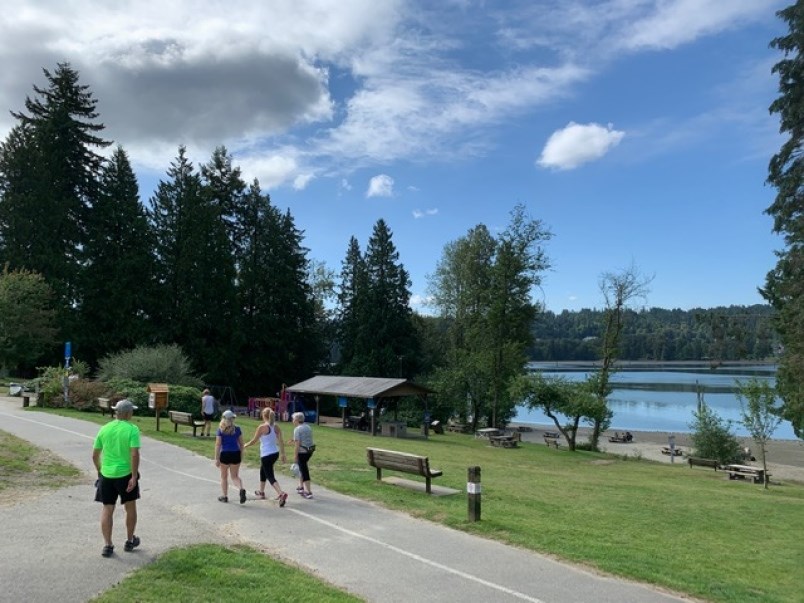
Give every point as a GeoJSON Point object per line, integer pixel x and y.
{"type": "Point", "coordinates": [473, 493]}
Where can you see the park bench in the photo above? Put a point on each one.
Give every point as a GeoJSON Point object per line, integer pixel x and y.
{"type": "Point", "coordinates": [695, 461]}
{"type": "Point", "coordinates": [757, 474]}
{"type": "Point", "coordinates": [551, 441]}
{"type": "Point", "coordinates": [403, 462]}
{"type": "Point", "coordinates": [184, 418]}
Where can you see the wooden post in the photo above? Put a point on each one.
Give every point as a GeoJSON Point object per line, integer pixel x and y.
{"type": "Point", "coordinates": [473, 493]}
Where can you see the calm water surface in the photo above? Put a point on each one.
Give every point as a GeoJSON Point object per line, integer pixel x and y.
{"type": "Point", "coordinates": [664, 400]}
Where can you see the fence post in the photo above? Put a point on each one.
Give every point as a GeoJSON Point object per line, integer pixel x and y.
{"type": "Point", "coordinates": [473, 493]}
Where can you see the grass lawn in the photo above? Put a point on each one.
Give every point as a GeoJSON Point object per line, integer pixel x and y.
{"type": "Point", "coordinates": [214, 573]}
{"type": "Point", "coordinates": [689, 530]}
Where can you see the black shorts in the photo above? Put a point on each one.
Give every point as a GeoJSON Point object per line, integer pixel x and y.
{"type": "Point", "coordinates": [109, 488]}
{"type": "Point", "coordinates": [208, 416]}
{"type": "Point", "coordinates": [230, 458]}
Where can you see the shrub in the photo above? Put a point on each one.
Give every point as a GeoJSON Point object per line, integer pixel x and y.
{"type": "Point", "coordinates": [156, 364]}
{"type": "Point", "coordinates": [180, 397]}
{"type": "Point", "coordinates": [84, 393]}
{"type": "Point", "coordinates": [712, 438]}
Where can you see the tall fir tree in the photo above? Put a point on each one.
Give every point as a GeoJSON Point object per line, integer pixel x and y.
{"type": "Point", "coordinates": [281, 343]}
{"type": "Point", "coordinates": [50, 171]}
{"type": "Point", "coordinates": [225, 189]}
{"type": "Point", "coordinates": [350, 297]}
{"type": "Point", "coordinates": [784, 287]}
{"type": "Point", "coordinates": [382, 340]}
{"type": "Point", "coordinates": [118, 283]}
{"type": "Point", "coordinates": [195, 272]}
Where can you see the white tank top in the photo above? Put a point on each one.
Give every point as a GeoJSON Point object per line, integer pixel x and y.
{"type": "Point", "coordinates": [268, 443]}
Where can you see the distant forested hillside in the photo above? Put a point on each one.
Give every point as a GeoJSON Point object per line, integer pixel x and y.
{"type": "Point", "coordinates": [733, 333]}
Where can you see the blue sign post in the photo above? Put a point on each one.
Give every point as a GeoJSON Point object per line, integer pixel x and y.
{"type": "Point", "coordinates": [68, 353]}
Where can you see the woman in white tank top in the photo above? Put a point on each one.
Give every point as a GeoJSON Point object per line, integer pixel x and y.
{"type": "Point", "coordinates": [271, 449]}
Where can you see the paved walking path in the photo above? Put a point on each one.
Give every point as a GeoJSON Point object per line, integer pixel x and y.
{"type": "Point", "coordinates": [50, 544]}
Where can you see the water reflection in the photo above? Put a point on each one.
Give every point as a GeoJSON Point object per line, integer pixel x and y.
{"type": "Point", "coordinates": [651, 400]}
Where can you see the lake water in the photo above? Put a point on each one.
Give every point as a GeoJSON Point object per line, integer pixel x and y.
{"type": "Point", "coordinates": [664, 400]}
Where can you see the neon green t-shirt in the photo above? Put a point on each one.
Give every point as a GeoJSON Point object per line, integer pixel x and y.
{"type": "Point", "coordinates": [115, 441]}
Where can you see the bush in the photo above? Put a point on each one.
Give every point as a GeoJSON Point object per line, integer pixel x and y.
{"type": "Point", "coordinates": [180, 397]}
{"type": "Point", "coordinates": [84, 393]}
{"type": "Point", "coordinates": [712, 438]}
{"type": "Point", "coordinates": [156, 364]}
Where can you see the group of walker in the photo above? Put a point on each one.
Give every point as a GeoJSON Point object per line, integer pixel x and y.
{"type": "Point", "coordinates": [116, 456]}
{"type": "Point", "coordinates": [229, 449]}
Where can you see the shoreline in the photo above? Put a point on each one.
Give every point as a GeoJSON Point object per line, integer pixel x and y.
{"type": "Point", "coordinates": [785, 458]}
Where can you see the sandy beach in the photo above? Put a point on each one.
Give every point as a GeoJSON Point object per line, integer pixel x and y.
{"type": "Point", "coordinates": [785, 457]}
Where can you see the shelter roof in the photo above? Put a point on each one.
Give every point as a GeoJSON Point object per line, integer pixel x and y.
{"type": "Point", "coordinates": [359, 387]}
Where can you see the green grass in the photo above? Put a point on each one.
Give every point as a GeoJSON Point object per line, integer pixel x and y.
{"type": "Point", "coordinates": [215, 573]}
{"type": "Point", "coordinates": [21, 463]}
{"type": "Point", "coordinates": [689, 530]}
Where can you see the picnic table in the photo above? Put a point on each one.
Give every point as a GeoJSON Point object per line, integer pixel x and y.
{"type": "Point", "coordinates": [746, 471]}
{"type": "Point", "coordinates": [487, 432]}
{"type": "Point", "coordinates": [504, 441]}
{"type": "Point", "coordinates": [552, 434]}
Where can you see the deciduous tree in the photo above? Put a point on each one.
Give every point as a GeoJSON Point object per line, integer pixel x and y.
{"type": "Point", "coordinates": [27, 320]}
{"type": "Point", "coordinates": [759, 415]}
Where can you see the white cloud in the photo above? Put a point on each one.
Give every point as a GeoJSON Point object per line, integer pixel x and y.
{"type": "Point", "coordinates": [261, 77]}
{"type": "Point", "coordinates": [417, 213]}
{"type": "Point", "coordinates": [345, 185]}
{"type": "Point", "coordinates": [577, 144]}
{"type": "Point", "coordinates": [381, 186]}
{"type": "Point", "coordinates": [672, 23]}
{"type": "Point", "coordinates": [301, 181]}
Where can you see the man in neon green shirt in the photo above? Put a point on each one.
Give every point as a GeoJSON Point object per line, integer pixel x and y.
{"type": "Point", "coordinates": [116, 455]}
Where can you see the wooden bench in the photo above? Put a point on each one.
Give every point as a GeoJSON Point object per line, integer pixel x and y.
{"type": "Point", "coordinates": [757, 474]}
{"type": "Point", "coordinates": [105, 406]}
{"type": "Point", "coordinates": [403, 462]}
{"type": "Point", "coordinates": [184, 418]}
{"type": "Point", "coordinates": [695, 461]}
{"type": "Point", "coordinates": [550, 441]}
{"type": "Point", "coordinates": [456, 427]}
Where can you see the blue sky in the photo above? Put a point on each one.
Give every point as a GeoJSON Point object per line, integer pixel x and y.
{"type": "Point", "coordinates": [637, 130]}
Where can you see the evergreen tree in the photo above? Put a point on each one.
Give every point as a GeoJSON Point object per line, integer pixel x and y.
{"type": "Point", "coordinates": [351, 295]}
{"type": "Point", "coordinates": [195, 272]}
{"type": "Point", "coordinates": [784, 287]}
{"type": "Point", "coordinates": [280, 339]}
{"type": "Point", "coordinates": [225, 189]}
{"type": "Point", "coordinates": [118, 284]}
{"type": "Point", "coordinates": [49, 181]}
{"type": "Point", "coordinates": [384, 340]}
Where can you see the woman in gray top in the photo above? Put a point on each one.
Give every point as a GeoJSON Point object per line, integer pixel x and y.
{"type": "Point", "coordinates": [304, 448]}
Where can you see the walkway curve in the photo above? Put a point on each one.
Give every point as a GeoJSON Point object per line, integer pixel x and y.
{"type": "Point", "coordinates": [374, 553]}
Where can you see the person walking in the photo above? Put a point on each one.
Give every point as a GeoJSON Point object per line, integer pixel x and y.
{"type": "Point", "coordinates": [228, 454]}
{"type": "Point", "coordinates": [208, 407]}
{"type": "Point", "coordinates": [116, 456]}
{"type": "Point", "coordinates": [303, 450]}
{"type": "Point", "coordinates": [271, 449]}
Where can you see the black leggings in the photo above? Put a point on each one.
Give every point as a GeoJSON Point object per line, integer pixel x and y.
{"type": "Point", "coordinates": [304, 458]}
{"type": "Point", "coordinates": [267, 468]}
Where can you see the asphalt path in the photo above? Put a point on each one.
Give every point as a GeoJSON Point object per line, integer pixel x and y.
{"type": "Point", "coordinates": [50, 544]}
